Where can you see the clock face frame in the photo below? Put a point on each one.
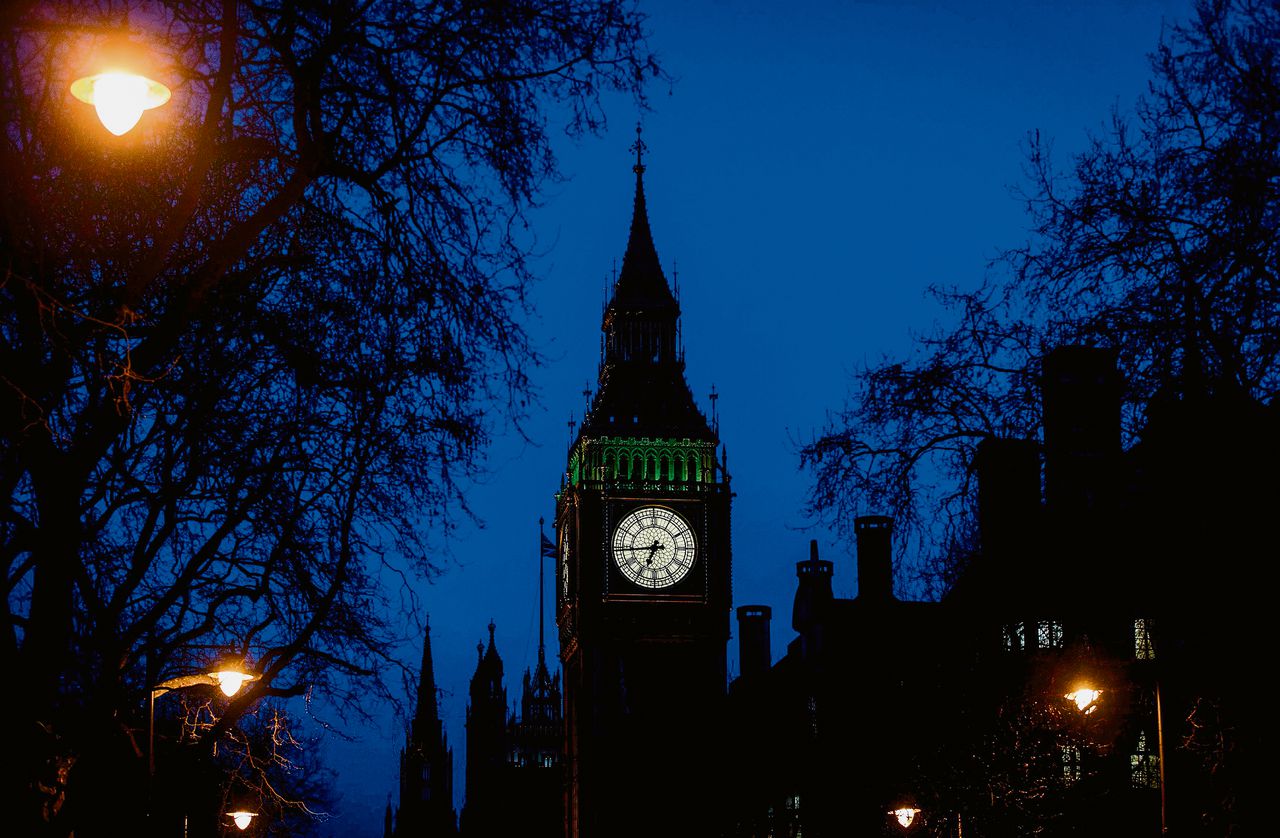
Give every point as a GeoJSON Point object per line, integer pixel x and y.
{"type": "Point", "coordinates": [654, 547]}
{"type": "Point", "coordinates": [564, 568]}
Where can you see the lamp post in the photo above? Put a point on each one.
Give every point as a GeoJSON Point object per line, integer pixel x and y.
{"type": "Point", "coordinates": [227, 677]}
{"type": "Point", "coordinates": [1164, 823]}
{"type": "Point", "coordinates": [1085, 698]}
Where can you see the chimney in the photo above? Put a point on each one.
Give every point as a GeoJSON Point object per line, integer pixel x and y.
{"type": "Point", "coordinates": [813, 591]}
{"type": "Point", "coordinates": [1081, 392]}
{"type": "Point", "coordinates": [1008, 497]}
{"type": "Point", "coordinates": [753, 639]}
{"type": "Point", "coordinates": [875, 557]}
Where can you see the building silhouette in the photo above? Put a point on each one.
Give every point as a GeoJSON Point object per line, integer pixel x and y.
{"type": "Point", "coordinates": [1093, 567]}
{"type": "Point", "coordinates": [1091, 564]}
{"type": "Point", "coordinates": [485, 812]}
{"type": "Point", "coordinates": [642, 528]}
{"type": "Point", "coordinates": [515, 778]}
{"type": "Point", "coordinates": [827, 740]}
{"type": "Point", "coordinates": [426, 767]}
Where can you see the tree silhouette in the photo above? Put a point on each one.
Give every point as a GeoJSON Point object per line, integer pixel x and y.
{"type": "Point", "coordinates": [1160, 242]}
{"type": "Point", "coordinates": [249, 347]}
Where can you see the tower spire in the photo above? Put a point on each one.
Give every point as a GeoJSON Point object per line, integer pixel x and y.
{"type": "Point", "coordinates": [641, 281]}
{"type": "Point", "coordinates": [427, 709]}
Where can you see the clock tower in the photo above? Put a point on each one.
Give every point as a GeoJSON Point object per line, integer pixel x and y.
{"type": "Point", "coordinates": [642, 529]}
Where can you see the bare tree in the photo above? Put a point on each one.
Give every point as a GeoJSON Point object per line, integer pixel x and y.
{"type": "Point", "coordinates": [1160, 241]}
{"type": "Point", "coordinates": [249, 346]}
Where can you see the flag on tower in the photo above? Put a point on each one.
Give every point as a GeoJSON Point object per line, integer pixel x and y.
{"type": "Point", "coordinates": [548, 547]}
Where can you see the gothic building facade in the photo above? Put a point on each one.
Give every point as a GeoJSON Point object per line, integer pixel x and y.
{"type": "Point", "coordinates": [426, 767]}
{"type": "Point", "coordinates": [1089, 671]}
{"type": "Point", "coordinates": [1092, 654]}
{"type": "Point", "coordinates": [515, 777]}
{"type": "Point", "coordinates": [642, 530]}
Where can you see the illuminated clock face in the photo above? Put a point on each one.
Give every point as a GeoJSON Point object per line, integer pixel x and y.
{"type": "Point", "coordinates": [654, 547]}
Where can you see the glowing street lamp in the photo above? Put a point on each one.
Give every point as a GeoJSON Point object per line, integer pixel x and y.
{"type": "Point", "coordinates": [117, 90]}
{"type": "Point", "coordinates": [1085, 698]}
{"type": "Point", "coordinates": [230, 680]}
{"type": "Point", "coordinates": [228, 677]}
{"type": "Point", "coordinates": [242, 819]}
{"type": "Point", "coordinates": [905, 815]}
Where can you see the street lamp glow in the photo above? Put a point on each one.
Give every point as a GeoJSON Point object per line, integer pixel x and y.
{"type": "Point", "coordinates": [242, 819]}
{"type": "Point", "coordinates": [1085, 698]}
{"type": "Point", "coordinates": [120, 97]}
{"type": "Point", "coordinates": [231, 680]}
{"type": "Point", "coordinates": [905, 816]}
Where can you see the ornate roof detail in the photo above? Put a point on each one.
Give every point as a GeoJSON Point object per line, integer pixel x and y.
{"type": "Point", "coordinates": [641, 284]}
{"type": "Point", "coordinates": [642, 389]}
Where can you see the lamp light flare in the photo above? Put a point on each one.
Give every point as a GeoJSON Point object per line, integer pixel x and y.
{"type": "Point", "coordinates": [1085, 698]}
{"type": "Point", "coordinates": [230, 681]}
{"type": "Point", "coordinates": [905, 816]}
{"type": "Point", "coordinates": [242, 819]}
{"type": "Point", "coordinates": [120, 97]}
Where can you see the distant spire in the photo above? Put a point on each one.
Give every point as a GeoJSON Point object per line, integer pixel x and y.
{"type": "Point", "coordinates": [427, 709]}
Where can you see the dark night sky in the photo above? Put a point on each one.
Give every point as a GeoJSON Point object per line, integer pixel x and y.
{"type": "Point", "coordinates": [814, 169]}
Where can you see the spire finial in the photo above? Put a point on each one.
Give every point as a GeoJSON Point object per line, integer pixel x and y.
{"type": "Point", "coordinates": [639, 148]}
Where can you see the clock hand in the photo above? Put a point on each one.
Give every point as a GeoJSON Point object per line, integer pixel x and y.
{"type": "Point", "coordinates": [653, 549]}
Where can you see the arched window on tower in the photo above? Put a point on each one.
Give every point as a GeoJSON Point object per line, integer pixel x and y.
{"type": "Point", "coordinates": [610, 467]}
{"type": "Point", "coordinates": [665, 468]}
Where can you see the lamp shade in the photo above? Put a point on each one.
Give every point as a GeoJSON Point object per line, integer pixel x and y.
{"type": "Point", "coordinates": [120, 84]}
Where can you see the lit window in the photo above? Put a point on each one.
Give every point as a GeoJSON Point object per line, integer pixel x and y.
{"type": "Point", "coordinates": [1143, 648]}
{"type": "Point", "coordinates": [1014, 637]}
{"type": "Point", "coordinates": [1144, 765]}
{"type": "Point", "coordinates": [1049, 634]}
{"type": "Point", "coordinates": [1070, 763]}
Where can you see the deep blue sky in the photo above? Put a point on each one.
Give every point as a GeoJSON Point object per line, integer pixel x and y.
{"type": "Point", "coordinates": [816, 166]}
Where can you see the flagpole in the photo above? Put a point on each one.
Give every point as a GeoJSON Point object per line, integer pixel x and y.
{"type": "Point", "coordinates": [541, 596]}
